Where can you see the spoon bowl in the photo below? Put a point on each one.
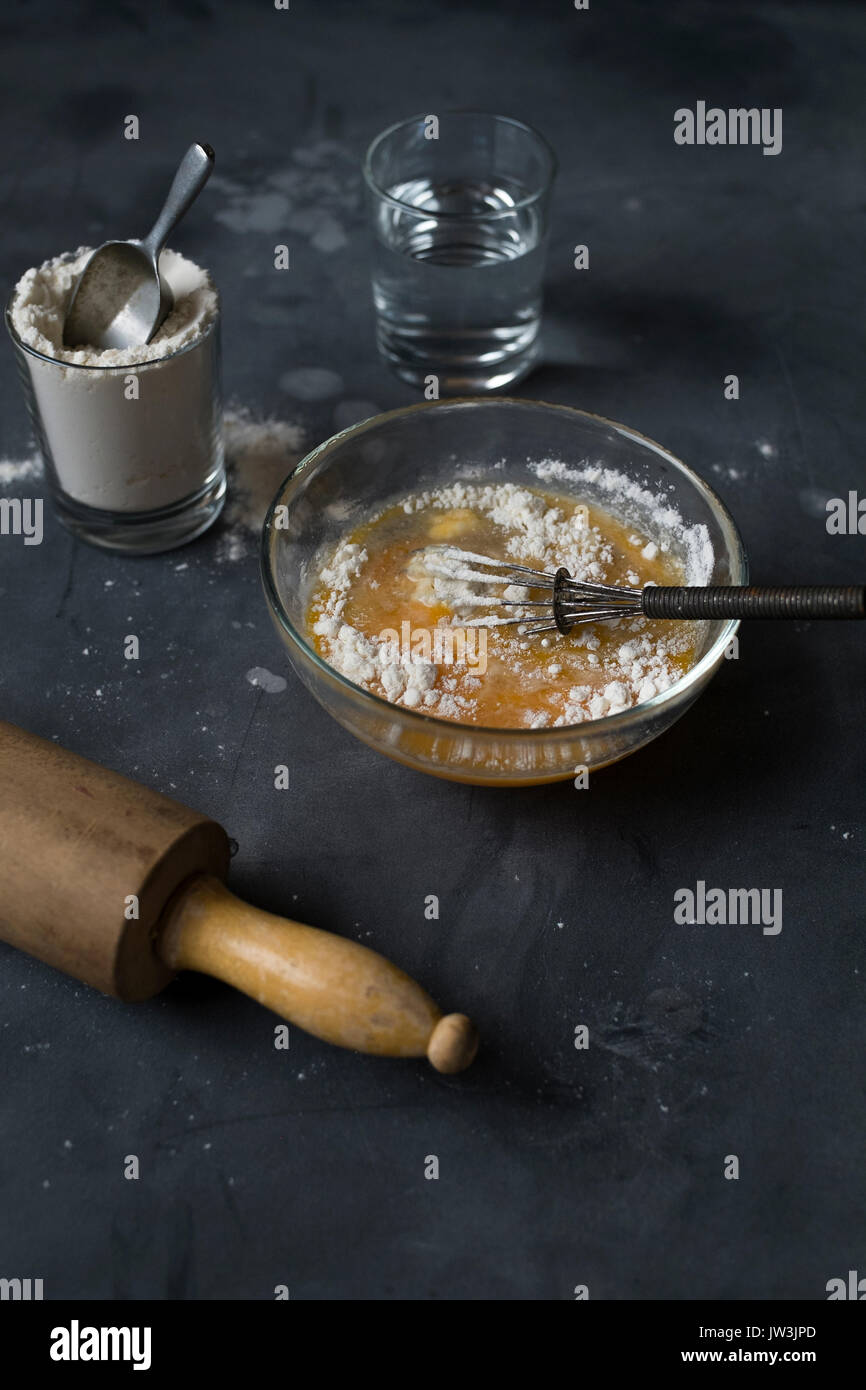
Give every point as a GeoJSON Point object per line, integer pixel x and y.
{"type": "Point", "coordinates": [119, 292]}
{"type": "Point", "coordinates": [121, 300]}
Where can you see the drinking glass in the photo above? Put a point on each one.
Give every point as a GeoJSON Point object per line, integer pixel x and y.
{"type": "Point", "coordinates": [459, 205]}
{"type": "Point", "coordinates": [140, 470]}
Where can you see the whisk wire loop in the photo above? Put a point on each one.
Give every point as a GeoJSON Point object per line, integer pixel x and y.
{"type": "Point", "coordinates": [569, 602]}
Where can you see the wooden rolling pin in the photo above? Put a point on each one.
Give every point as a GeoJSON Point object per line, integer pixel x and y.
{"type": "Point", "coordinates": [120, 886]}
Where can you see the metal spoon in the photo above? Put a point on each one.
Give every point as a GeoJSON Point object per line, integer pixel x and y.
{"type": "Point", "coordinates": [121, 300]}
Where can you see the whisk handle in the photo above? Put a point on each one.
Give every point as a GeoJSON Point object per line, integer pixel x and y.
{"type": "Point", "coordinates": [718, 601]}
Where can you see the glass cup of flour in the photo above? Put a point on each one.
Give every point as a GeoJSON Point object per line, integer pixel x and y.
{"type": "Point", "coordinates": [131, 438]}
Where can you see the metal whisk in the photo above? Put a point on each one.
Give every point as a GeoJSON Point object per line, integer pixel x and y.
{"type": "Point", "coordinates": [568, 602]}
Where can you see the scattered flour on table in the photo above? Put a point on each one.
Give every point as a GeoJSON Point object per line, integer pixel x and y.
{"type": "Point", "coordinates": [13, 471]}
{"type": "Point", "coordinates": [259, 455]}
{"type": "Point", "coordinates": [316, 195]}
{"type": "Point", "coordinates": [264, 679]}
{"type": "Point", "coordinates": [642, 666]}
{"type": "Point", "coordinates": [311, 383]}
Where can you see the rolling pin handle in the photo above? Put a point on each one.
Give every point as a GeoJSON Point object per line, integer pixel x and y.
{"type": "Point", "coordinates": [330, 986]}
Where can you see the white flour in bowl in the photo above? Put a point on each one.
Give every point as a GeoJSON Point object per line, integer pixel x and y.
{"type": "Point", "coordinates": [598, 670]}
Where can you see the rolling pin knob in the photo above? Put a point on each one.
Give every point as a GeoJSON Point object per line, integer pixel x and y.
{"type": "Point", "coordinates": [453, 1044]}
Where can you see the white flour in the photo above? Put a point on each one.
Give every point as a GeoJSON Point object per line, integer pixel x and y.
{"type": "Point", "coordinates": [260, 454]}
{"type": "Point", "coordinates": [537, 532]}
{"type": "Point", "coordinates": [112, 450]}
{"type": "Point", "coordinates": [42, 294]}
{"type": "Point", "coordinates": [401, 677]}
{"type": "Point", "coordinates": [626, 674]}
{"type": "Point", "coordinates": [24, 470]}
{"type": "Point", "coordinates": [628, 501]}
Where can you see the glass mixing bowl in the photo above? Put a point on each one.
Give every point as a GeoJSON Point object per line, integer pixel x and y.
{"type": "Point", "coordinates": [492, 440]}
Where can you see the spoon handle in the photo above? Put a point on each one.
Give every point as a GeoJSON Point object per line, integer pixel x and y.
{"type": "Point", "coordinates": [810, 601]}
{"type": "Point", "coordinates": [193, 173]}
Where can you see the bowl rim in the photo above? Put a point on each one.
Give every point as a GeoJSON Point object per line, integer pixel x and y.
{"type": "Point", "coordinates": [611, 722]}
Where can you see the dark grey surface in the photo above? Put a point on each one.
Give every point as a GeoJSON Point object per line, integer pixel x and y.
{"type": "Point", "coordinates": [558, 1167]}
